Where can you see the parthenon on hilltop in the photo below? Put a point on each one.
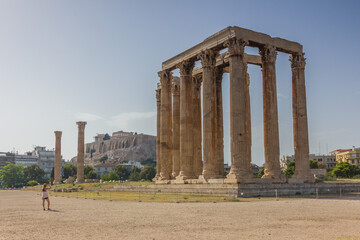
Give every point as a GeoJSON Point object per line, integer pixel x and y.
{"type": "Point", "coordinates": [189, 152]}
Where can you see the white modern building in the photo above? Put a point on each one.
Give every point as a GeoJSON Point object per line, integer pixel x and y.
{"type": "Point", "coordinates": [26, 160]}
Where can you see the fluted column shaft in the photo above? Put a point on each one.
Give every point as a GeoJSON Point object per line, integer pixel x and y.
{"type": "Point", "coordinates": [219, 123]}
{"type": "Point", "coordinates": [158, 106]}
{"type": "Point", "coordinates": [175, 127]}
{"type": "Point", "coordinates": [300, 125]}
{"type": "Point", "coordinates": [248, 121]}
{"type": "Point", "coordinates": [210, 167]}
{"type": "Point", "coordinates": [165, 127]}
{"type": "Point", "coordinates": [186, 121]}
{"type": "Point", "coordinates": [271, 127]}
{"type": "Point", "coordinates": [81, 152]}
{"type": "Point", "coordinates": [238, 128]}
{"type": "Point", "coordinates": [197, 125]}
{"type": "Point", "coordinates": [57, 164]}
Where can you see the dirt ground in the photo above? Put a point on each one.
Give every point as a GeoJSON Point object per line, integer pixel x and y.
{"type": "Point", "coordinates": [22, 217]}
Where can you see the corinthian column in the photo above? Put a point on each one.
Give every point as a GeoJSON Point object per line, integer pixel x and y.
{"type": "Point", "coordinates": [248, 122]}
{"type": "Point", "coordinates": [301, 142]}
{"type": "Point", "coordinates": [165, 127]}
{"type": "Point", "coordinates": [80, 156]}
{"type": "Point", "coordinates": [57, 164]}
{"type": "Point", "coordinates": [175, 127]}
{"type": "Point", "coordinates": [210, 168]}
{"type": "Point", "coordinates": [197, 125]}
{"type": "Point", "coordinates": [271, 127]}
{"type": "Point", "coordinates": [186, 122]}
{"type": "Point", "coordinates": [158, 158]}
{"type": "Point", "coordinates": [239, 171]}
{"type": "Point", "coordinates": [219, 123]}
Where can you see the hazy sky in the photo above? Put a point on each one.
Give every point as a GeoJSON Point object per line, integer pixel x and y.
{"type": "Point", "coordinates": [64, 61]}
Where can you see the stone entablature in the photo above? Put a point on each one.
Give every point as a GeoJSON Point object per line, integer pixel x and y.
{"type": "Point", "coordinates": [209, 136]}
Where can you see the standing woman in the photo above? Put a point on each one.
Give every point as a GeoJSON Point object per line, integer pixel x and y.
{"type": "Point", "coordinates": [45, 196]}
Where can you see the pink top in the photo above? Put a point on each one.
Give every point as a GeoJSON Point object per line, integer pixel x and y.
{"type": "Point", "coordinates": [45, 194]}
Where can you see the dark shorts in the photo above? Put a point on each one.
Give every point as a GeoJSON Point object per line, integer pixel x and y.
{"type": "Point", "coordinates": [45, 198]}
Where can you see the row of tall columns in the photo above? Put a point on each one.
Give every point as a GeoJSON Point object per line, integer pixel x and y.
{"type": "Point", "coordinates": [80, 154]}
{"type": "Point", "coordinates": [181, 153]}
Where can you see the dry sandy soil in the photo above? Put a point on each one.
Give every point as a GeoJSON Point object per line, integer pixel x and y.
{"type": "Point", "coordinates": [22, 217]}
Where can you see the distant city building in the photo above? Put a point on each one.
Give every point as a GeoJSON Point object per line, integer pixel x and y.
{"type": "Point", "coordinates": [6, 158]}
{"type": "Point", "coordinates": [328, 159]}
{"type": "Point", "coordinates": [46, 159]}
{"type": "Point", "coordinates": [26, 160]}
{"type": "Point", "coordinates": [351, 156]}
{"type": "Point", "coordinates": [105, 168]}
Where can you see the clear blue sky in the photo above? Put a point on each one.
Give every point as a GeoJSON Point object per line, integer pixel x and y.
{"type": "Point", "coordinates": [64, 61]}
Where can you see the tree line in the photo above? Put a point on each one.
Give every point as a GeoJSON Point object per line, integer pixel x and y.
{"type": "Point", "coordinates": [17, 176]}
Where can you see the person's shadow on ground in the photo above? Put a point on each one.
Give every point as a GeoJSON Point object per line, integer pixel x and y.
{"type": "Point", "coordinates": [52, 210]}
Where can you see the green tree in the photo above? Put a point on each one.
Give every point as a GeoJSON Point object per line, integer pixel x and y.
{"type": "Point", "coordinates": [135, 174]}
{"type": "Point", "coordinates": [122, 172]}
{"type": "Point", "coordinates": [34, 172]}
{"type": "Point", "coordinates": [106, 137]}
{"type": "Point", "coordinates": [345, 170]}
{"type": "Point", "coordinates": [12, 175]}
{"type": "Point", "coordinates": [103, 159]}
{"type": "Point", "coordinates": [69, 170]}
{"type": "Point", "coordinates": [148, 173]}
{"type": "Point", "coordinates": [32, 183]}
{"type": "Point", "coordinates": [111, 176]}
{"type": "Point", "coordinates": [290, 169]}
{"type": "Point", "coordinates": [261, 172]}
{"type": "Point", "coordinates": [314, 164]}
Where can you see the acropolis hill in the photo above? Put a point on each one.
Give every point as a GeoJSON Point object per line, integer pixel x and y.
{"type": "Point", "coordinates": [120, 147]}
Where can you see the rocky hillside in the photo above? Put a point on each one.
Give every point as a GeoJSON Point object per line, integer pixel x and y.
{"type": "Point", "coordinates": [121, 147]}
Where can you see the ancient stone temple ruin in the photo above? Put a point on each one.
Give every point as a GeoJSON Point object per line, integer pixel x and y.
{"type": "Point", "coordinates": [190, 150]}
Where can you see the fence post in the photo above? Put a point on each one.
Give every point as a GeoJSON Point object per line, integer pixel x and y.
{"type": "Point", "coordinates": [110, 196]}
{"type": "Point", "coordinates": [340, 192]}
{"type": "Point", "coordinates": [276, 194]}
{"type": "Point", "coordinates": [317, 193]}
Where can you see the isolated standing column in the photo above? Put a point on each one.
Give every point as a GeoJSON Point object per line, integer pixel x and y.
{"type": "Point", "coordinates": [81, 152]}
{"type": "Point", "coordinates": [57, 165]}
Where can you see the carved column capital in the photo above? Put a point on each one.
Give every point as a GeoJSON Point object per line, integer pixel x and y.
{"type": "Point", "coordinates": [81, 125]}
{"type": "Point", "coordinates": [175, 86]}
{"type": "Point", "coordinates": [297, 60]}
{"type": "Point", "coordinates": [235, 47]}
{"type": "Point", "coordinates": [58, 134]}
{"type": "Point", "coordinates": [268, 54]}
{"type": "Point", "coordinates": [208, 58]}
{"type": "Point", "coordinates": [186, 67]}
{"type": "Point", "coordinates": [165, 77]}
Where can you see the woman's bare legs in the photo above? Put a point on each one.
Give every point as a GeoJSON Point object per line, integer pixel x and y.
{"type": "Point", "coordinates": [48, 201]}
{"type": "Point", "coordinates": [43, 203]}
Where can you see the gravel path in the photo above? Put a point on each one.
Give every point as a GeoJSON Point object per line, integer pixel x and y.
{"type": "Point", "coordinates": [22, 217]}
